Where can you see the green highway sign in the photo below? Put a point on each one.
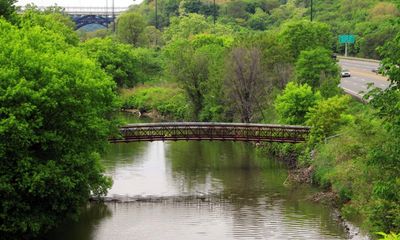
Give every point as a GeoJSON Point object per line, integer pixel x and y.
{"type": "Point", "coordinates": [347, 39]}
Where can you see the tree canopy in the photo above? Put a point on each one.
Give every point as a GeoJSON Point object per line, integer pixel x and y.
{"type": "Point", "coordinates": [130, 26]}
{"type": "Point", "coordinates": [7, 8]}
{"type": "Point", "coordinates": [55, 107]}
{"type": "Point", "coordinates": [295, 102]}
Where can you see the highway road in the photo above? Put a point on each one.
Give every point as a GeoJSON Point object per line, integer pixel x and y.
{"type": "Point", "coordinates": [361, 76]}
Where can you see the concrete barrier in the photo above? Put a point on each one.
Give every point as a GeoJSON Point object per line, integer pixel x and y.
{"type": "Point", "coordinates": [359, 59]}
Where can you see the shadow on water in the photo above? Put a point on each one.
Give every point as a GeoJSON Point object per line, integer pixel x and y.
{"type": "Point", "coordinates": [234, 166]}
{"type": "Point", "coordinates": [123, 154]}
{"type": "Point", "coordinates": [84, 228]}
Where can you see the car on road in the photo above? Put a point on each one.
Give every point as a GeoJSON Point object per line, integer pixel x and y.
{"type": "Point", "coordinates": [345, 73]}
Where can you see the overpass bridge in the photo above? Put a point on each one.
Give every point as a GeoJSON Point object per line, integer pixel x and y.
{"type": "Point", "coordinates": [211, 131]}
{"type": "Point", "coordinates": [88, 15]}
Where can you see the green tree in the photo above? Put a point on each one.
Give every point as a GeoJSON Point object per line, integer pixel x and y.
{"type": "Point", "coordinates": [317, 68]}
{"type": "Point", "coordinates": [285, 12]}
{"type": "Point", "coordinates": [151, 37]}
{"type": "Point", "coordinates": [374, 34]}
{"type": "Point", "coordinates": [326, 117]}
{"type": "Point", "coordinates": [306, 35]}
{"type": "Point", "coordinates": [7, 8]}
{"type": "Point", "coordinates": [295, 102]}
{"type": "Point", "coordinates": [258, 20]}
{"type": "Point", "coordinates": [236, 9]}
{"type": "Point", "coordinates": [276, 58]}
{"type": "Point", "coordinates": [190, 69]}
{"type": "Point", "coordinates": [55, 117]}
{"type": "Point", "coordinates": [192, 6]}
{"type": "Point", "coordinates": [189, 63]}
{"type": "Point", "coordinates": [115, 58]}
{"type": "Point", "coordinates": [127, 65]}
{"type": "Point", "coordinates": [191, 25]}
{"type": "Point", "coordinates": [385, 207]}
{"type": "Point", "coordinates": [52, 19]}
{"type": "Point", "coordinates": [130, 26]}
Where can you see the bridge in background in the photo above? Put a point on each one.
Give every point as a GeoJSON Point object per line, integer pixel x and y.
{"type": "Point", "coordinates": [211, 131]}
{"type": "Point", "coordinates": [89, 15]}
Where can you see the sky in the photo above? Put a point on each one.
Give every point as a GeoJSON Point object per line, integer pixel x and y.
{"type": "Point", "coordinates": [79, 3]}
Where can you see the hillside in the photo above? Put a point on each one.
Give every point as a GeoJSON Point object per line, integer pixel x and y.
{"type": "Point", "coordinates": [371, 21]}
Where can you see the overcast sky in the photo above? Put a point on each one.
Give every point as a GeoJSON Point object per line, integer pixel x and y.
{"type": "Point", "coordinates": [79, 3]}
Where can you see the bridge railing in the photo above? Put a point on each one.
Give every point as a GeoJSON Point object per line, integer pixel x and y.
{"type": "Point", "coordinates": [211, 131]}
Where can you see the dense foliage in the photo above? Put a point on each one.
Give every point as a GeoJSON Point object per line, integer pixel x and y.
{"type": "Point", "coordinates": [126, 65]}
{"type": "Point", "coordinates": [7, 9]}
{"type": "Point", "coordinates": [55, 109]}
{"type": "Point", "coordinates": [168, 101]}
{"type": "Point", "coordinates": [295, 102]}
{"type": "Point", "coordinates": [367, 172]}
{"type": "Point", "coordinates": [317, 69]}
{"type": "Point", "coordinates": [373, 22]}
{"type": "Point", "coordinates": [53, 19]}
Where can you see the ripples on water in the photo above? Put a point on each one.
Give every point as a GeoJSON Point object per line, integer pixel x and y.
{"type": "Point", "coordinates": [200, 190]}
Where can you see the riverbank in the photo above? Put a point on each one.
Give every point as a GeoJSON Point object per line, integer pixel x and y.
{"type": "Point", "coordinates": [304, 175]}
{"type": "Point", "coordinates": [301, 173]}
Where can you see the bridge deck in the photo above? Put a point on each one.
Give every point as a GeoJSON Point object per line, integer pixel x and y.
{"type": "Point", "coordinates": [211, 131]}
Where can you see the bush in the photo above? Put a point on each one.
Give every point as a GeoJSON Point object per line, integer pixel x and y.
{"type": "Point", "coordinates": [168, 101]}
{"type": "Point", "coordinates": [326, 117]}
{"type": "Point", "coordinates": [128, 66]}
{"type": "Point", "coordinates": [294, 103]}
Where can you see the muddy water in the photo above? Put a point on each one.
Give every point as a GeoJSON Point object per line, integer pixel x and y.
{"type": "Point", "coordinates": [200, 190]}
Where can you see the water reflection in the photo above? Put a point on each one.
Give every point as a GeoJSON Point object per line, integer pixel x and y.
{"type": "Point", "coordinates": [139, 169]}
{"type": "Point", "coordinates": [85, 227]}
{"type": "Point", "coordinates": [246, 197]}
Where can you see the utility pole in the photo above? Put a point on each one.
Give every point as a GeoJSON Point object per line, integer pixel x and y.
{"type": "Point", "coordinates": [311, 12]}
{"type": "Point", "coordinates": [156, 14]}
{"type": "Point", "coordinates": [214, 12]}
{"type": "Point", "coordinates": [108, 23]}
{"type": "Point", "coordinates": [113, 15]}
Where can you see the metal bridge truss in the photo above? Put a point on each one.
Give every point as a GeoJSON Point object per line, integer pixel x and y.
{"type": "Point", "coordinates": [83, 20]}
{"type": "Point", "coordinates": [211, 131]}
{"type": "Point", "coordinates": [101, 11]}
{"type": "Point", "coordinates": [83, 16]}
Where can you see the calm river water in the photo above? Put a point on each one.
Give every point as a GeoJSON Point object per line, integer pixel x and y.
{"type": "Point", "coordinates": [200, 190]}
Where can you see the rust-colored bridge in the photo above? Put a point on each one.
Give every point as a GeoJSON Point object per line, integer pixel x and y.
{"type": "Point", "coordinates": [211, 131]}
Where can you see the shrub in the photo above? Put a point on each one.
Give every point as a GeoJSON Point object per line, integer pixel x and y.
{"type": "Point", "coordinates": [168, 101]}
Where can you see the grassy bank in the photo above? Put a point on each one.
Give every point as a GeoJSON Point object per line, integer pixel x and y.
{"type": "Point", "coordinates": [352, 165]}
{"type": "Point", "coordinates": [168, 101]}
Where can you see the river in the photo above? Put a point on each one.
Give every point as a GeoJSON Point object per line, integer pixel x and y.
{"type": "Point", "coordinates": [200, 190]}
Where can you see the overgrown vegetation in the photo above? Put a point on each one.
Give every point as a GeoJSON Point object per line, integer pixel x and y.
{"type": "Point", "coordinates": [261, 61]}
{"type": "Point", "coordinates": [168, 101]}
